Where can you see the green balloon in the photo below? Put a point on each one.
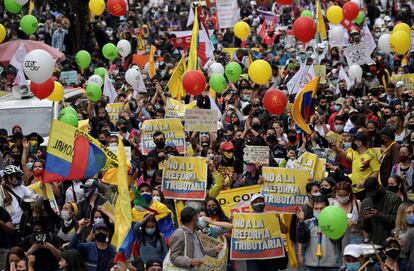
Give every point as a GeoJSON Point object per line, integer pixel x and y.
{"type": "Point", "coordinates": [110, 51]}
{"type": "Point", "coordinates": [233, 71]}
{"type": "Point", "coordinates": [12, 7]}
{"type": "Point", "coordinates": [94, 92]}
{"type": "Point", "coordinates": [83, 59]}
{"type": "Point", "coordinates": [29, 24]}
{"type": "Point", "coordinates": [101, 72]}
{"type": "Point", "coordinates": [360, 18]}
{"type": "Point", "coordinates": [218, 83]}
{"type": "Point", "coordinates": [67, 110]}
{"type": "Point", "coordinates": [333, 222]}
{"type": "Point", "coordinates": [306, 13]}
{"type": "Point", "coordinates": [70, 119]}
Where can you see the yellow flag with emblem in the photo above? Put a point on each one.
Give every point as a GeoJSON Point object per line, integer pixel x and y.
{"type": "Point", "coordinates": [175, 84]}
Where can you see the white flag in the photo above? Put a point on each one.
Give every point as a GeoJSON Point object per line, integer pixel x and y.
{"type": "Point", "coordinates": [214, 106]}
{"type": "Point", "coordinates": [109, 89]}
{"type": "Point", "coordinates": [209, 45]}
{"type": "Point", "coordinates": [300, 79]}
{"type": "Point", "coordinates": [190, 18]}
{"type": "Point", "coordinates": [17, 62]}
{"type": "Point", "coordinates": [371, 45]}
{"type": "Point", "coordinates": [343, 76]}
{"type": "Point", "coordinates": [140, 86]}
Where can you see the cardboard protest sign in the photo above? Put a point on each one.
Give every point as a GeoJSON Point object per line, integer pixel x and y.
{"type": "Point", "coordinates": [185, 178]}
{"type": "Point", "coordinates": [253, 154]}
{"type": "Point", "coordinates": [176, 109]}
{"type": "Point", "coordinates": [320, 70]}
{"type": "Point", "coordinates": [210, 263]}
{"type": "Point", "coordinates": [230, 199]}
{"type": "Point", "coordinates": [333, 138]}
{"type": "Point", "coordinates": [256, 236]}
{"type": "Point", "coordinates": [69, 77]}
{"type": "Point", "coordinates": [127, 149]}
{"type": "Point", "coordinates": [172, 129]}
{"type": "Point", "coordinates": [114, 109]}
{"type": "Point", "coordinates": [357, 54]}
{"type": "Point", "coordinates": [200, 120]}
{"type": "Point", "coordinates": [284, 189]}
{"type": "Point", "coordinates": [309, 161]}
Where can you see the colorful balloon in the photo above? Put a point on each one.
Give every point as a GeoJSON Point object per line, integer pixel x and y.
{"type": "Point", "coordinates": [42, 90]}
{"type": "Point", "coordinates": [110, 51]}
{"type": "Point", "coordinates": [233, 71]}
{"type": "Point", "coordinates": [96, 79]}
{"type": "Point", "coordinates": [124, 48]}
{"type": "Point", "coordinates": [241, 30]}
{"type": "Point", "coordinates": [350, 10]}
{"type": "Point", "coordinates": [12, 7]}
{"type": "Point", "coordinates": [360, 18]}
{"type": "Point", "coordinates": [384, 43]}
{"type": "Point", "coordinates": [215, 68]}
{"type": "Point", "coordinates": [101, 72]}
{"type": "Point", "coordinates": [355, 73]}
{"type": "Point", "coordinates": [83, 59]}
{"type": "Point", "coordinates": [217, 82]}
{"type": "Point", "coordinates": [260, 72]}
{"type": "Point", "coordinates": [400, 42]}
{"type": "Point", "coordinates": [304, 29]}
{"type": "Point", "coordinates": [306, 13]}
{"type": "Point", "coordinates": [67, 110]}
{"type": "Point", "coordinates": [94, 92]}
{"type": "Point", "coordinates": [333, 222]}
{"type": "Point", "coordinates": [3, 33]}
{"type": "Point", "coordinates": [38, 65]}
{"type": "Point", "coordinates": [402, 27]}
{"type": "Point", "coordinates": [337, 33]}
{"type": "Point", "coordinates": [57, 93]}
{"type": "Point", "coordinates": [194, 82]}
{"type": "Point", "coordinates": [275, 101]}
{"type": "Point", "coordinates": [70, 119]}
{"type": "Point", "coordinates": [29, 24]}
{"type": "Point", "coordinates": [117, 7]}
{"type": "Point", "coordinates": [97, 7]}
{"type": "Point", "coordinates": [334, 14]}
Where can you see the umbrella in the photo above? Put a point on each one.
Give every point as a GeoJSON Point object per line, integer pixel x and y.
{"type": "Point", "coordinates": [8, 49]}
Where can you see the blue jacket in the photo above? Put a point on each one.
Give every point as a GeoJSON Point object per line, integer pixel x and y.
{"type": "Point", "coordinates": [89, 251]}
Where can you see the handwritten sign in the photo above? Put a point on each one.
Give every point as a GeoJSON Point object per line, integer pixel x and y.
{"type": "Point", "coordinates": [254, 154]}
{"type": "Point", "coordinates": [200, 120]}
{"type": "Point", "coordinates": [69, 77]}
{"type": "Point", "coordinates": [357, 54]}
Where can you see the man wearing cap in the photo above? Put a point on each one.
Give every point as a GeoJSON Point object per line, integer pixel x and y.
{"type": "Point", "coordinates": [390, 156]}
{"type": "Point", "coordinates": [393, 261]}
{"type": "Point", "coordinates": [354, 259]}
{"type": "Point", "coordinates": [97, 254]}
{"type": "Point", "coordinates": [229, 167]}
{"type": "Point", "coordinates": [378, 211]}
{"type": "Point", "coordinates": [352, 121]}
{"type": "Point", "coordinates": [92, 199]}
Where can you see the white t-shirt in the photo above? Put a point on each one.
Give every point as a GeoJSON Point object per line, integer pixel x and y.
{"type": "Point", "coordinates": [79, 192]}
{"type": "Point", "coordinates": [14, 208]}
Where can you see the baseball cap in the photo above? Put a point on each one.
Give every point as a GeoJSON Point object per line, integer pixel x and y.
{"type": "Point", "coordinates": [256, 196]}
{"type": "Point", "coordinates": [371, 187]}
{"type": "Point", "coordinates": [98, 226]}
{"type": "Point", "coordinates": [227, 146]}
{"type": "Point", "coordinates": [352, 250]}
{"type": "Point", "coordinates": [387, 131]}
{"type": "Point", "coordinates": [399, 84]}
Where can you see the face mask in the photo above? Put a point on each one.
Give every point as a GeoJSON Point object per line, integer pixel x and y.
{"type": "Point", "coordinates": [292, 139]}
{"type": "Point", "coordinates": [393, 253]}
{"type": "Point", "coordinates": [156, 198]}
{"type": "Point", "coordinates": [337, 108]}
{"type": "Point", "coordinates": [151, 172]}
{"type": "Point", "coordinates": [354, 118]}
{"type": "Point", "coordinates": [354, 146]}
{"type": "Point", "coordinates": [393, 188]}
{"type": "Point", "coordinates": [339, 128]}
{"type": "Point", "coordinates": [404, 158]}
{"type": "Point", "coordinates": [101, 237]}
{"type": "Point", "coordinates": [18, 182]}
{"type": "Point", "coordinates": [256, 126]}
{"type": "Point", "coordinates": [98, 220]}
{"type": "Point", "coordinates": [201, 222]}
{"type": "Point", "coordinates": [124, 129]}
{"type": "Point", "coordinates": [113, 144]}
{"type": "Point", "coordinates": [160, 144]}
{"type": "Point", "coordinates": [258, 207]}
{"type": "Point", "coordinates": [245, 98]}
{"type": "Point", "coordinates": [147, 197]}
{"type": "Point", "coordinates": [228, 155]}
{"type": "Point", "coordinates": [393, 126]}
{"type": "Point", "coordinates": [103, 142]}
{"type": "Point", "coordinates": [150, 231]}
{"type": "Point", "coordinates": [205, 144]}
{"type": "Point", "coordinates": [342, 200]}
{"type": "Point", "coordinates": [316, 214]}
{"type": "Point", "coordinates": [271, 139]}
{"type": "Point", "coordinates": [410, 220]}
{"type": "Point", "coordinates": [64, 214]}
{"type": "Point", "coordinates": [317, 194]}
{"type": "Point", "coordinates": [326, 191]}
{"type": "Point", "coordinates": [212, 211]}
{"type": "Point", "coordinates": [353, 266]}
{"type": "Point", "coordinates": [29, 165]}
{"type": "Point", "coordinates": [38, 172]}
{"type": "Point", "coordinates": [410, 127]}
{"type": "Point", "coordinates": [210, 156]}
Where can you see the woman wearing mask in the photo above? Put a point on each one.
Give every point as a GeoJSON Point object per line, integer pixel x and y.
{"type": "Point", "coordinates": [149, 168]}
{"type": "Point", "coordinates": [405, 168]}
{"type": "Point", "coordinates": [374, 137]}
{"type": "Point", "coordinates": [403, 223]}
{"type": "Point", "coordinates": [212, 228]}
{"type": "Point", "coordinates": [156, 179]}
{"type": "Point", "coordinates": [158, 195]}
{"type": "Point", "coordinates": [328, 189]}
{"type": "Point", "coordinates": [393, 261]}
{"type": "Point", "coordinates": [71, 260]}
{"type": "Point", "coordinates": [14, 256]}
{"type": "Point", "coordinates": [151, 241]}
{"type": "Point", "coordinates": [214, 211]}
{"type": "Point", "coordinates": [396, 185]}
{"type": "Point", "coordinates": [346, 200]}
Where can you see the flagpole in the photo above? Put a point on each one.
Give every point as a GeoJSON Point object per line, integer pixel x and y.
{"type": "Point", "coordinates": [317, 32]}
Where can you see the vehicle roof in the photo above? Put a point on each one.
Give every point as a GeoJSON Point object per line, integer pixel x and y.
{"type": "Point", "coordinates": [11, 101]}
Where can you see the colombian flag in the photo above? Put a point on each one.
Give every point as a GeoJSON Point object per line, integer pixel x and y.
{"type": "Point", "coordinates": [303, 107]}
{"type": "Point", "coordinates": [73, 154]}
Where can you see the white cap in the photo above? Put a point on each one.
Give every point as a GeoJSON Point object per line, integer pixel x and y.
{"type": "Point", "coordinates": [399, 84]}
{"type": "Point", "coordinates": [256, 196]}
{"type": "Point", "coordinates": [219, 125]}
{"type": "Point", "coordinates": [387, 18]}
{"type": "Point", "coordinates": [352, 250]}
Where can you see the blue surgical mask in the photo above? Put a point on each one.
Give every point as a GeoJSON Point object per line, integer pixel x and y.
{"type": "Point", "coordinates": [29, 165]}
{"type": "Point", "coordinates": [410, 220]}
{"type": "Point", "coordinates": [147, 197]}
{"type": "Point", "coordinates": [316, 214]}
{"type": "Point", "coordinates": [337, 107]}
{"type": "Point", "coordinates": [150, 172]}
{"type": "Point", "coordinates": [201, 222]}
{"type": "Point", "coordinates": [150, 231]}
{"type": "Point", "coordinates": [347, 145]}
{"type": "Point", "coordinates": [353, 266]}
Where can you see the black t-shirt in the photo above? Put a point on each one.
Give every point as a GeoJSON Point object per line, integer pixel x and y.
{"type": "Point", "coordinates": [105, 256]}
{"type": "Point", "coordinates": [5, 217]}
{"type": "Point", "coordinates": [45, 261]}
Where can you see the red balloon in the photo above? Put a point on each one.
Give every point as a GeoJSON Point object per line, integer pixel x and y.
{"type": "Point", "coordinates": [350, 11]}
{"type": "Point", "coordinates": [194, 82]}
{"type": "Point", "coordinates": [275, 101]}
{"type": "Point", "coordinates": [284, 2]}
{"type": "Point", "coordinates": [42, 90]}
{"type": "Point", "coordinates": [117, 7]}
{"type": "Point", "coordinates": [304, 29]}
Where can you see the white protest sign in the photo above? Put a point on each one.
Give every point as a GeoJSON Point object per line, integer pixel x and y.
{"type": "Point", "coordinates": [69, 77]}
{"type": "Point", "coordinates": [253, 154]}
{"type": "Point", "coordinates": [357, 54]}
{"type": "Point", "coordinates": [200, 120]}
{"type": "Point", "coordinates": [227, 13]}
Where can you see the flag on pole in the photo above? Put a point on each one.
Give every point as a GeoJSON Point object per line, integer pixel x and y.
{"type": "Point", "coordinates": [321, 24]}
{"type": "Point", "coordinates": [151, 62]}
{"type": "Point", "coordinates": [190, 18]}
{"type": "Point", "coordinates": [17, 62]}
{"type": "Point", "coordinates": [175, 84]}
{"type": "Point", "coordinates": [303, 107]}
{"type": "Point", "coordinates": [192, 55]}
{"type": "Point", "coordinates": [109, 89]}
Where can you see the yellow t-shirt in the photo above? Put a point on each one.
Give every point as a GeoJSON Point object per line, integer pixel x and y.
{"type": "Point", "coordinates": [363, 165]}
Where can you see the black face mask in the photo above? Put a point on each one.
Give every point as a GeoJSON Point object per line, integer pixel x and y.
{"type": "Point", "coordinates": [124, 129]}
{"type": "Point", "coordinates": [212, 211]}
{"type": "Point", "coordinates": [100, 237]}
{"type": "Point", "coordinates": [103, 142]}
{"type": "Point", "coordinates": [271, 139]}
{"type": "Point", "coordinates": [160, 144]}
{"type": "Point", "coordinates": [326, 191]}
{"type": "Point", "coordinates": [354, 146]}
{"type": "Point", "coordinates": [292, 139]}
{"type": "Point", "coordinates": [258, 207]}
{"type": "Point", "coordinates": [393, 253]}
{"type": "Point", "coordinates": [410, 127]}
{"type": "Point", "coordinates": [393, 188]}
{"type": "Point", "coordinates": [256, 126]}
{"type": "Point", "coordinates": [354, 118]}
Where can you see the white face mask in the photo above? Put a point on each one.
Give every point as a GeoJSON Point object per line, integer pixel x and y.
{"type": "Point", "coordinates": [342, 200]}
{"type": "Point", "coordinates": [201, 222]}
{"type": "Point", "coordinates": [64, 214]}
{"type": "Point", "coordinates": [156, 198]}
{"type": "Point", "coordinates": [98, 220]}
{"type": "Point", "coordinates": [113, 144]}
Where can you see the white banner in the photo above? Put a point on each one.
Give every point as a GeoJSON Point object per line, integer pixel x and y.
{"type": "Point", "coordinates": [227, 13]}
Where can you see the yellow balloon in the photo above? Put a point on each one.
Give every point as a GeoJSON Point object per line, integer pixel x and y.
{"type": "Point", "coordinates": [400, 42]}
{"type": "Point", "coordinates": [97, 6]}
{"type": "Point", "coordinates": [334, 14]}
{"type": "Point", "coordinates": [3, 33]}
{"type": "Point", "coordinates": [57, 93]}
{"type": "Point", "coordinates": [241, 30]}
{"type": "Point", "coordinates": [402, 27]}
{"type": "Point", "coordinates": [260, 72]}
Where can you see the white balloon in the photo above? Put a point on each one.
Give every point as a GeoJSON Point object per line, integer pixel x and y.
{"type": "Point", "coordinates": [132, 76]}
{"type": "Point", "coordinates": [384, 43]}
{"type": "Point", "coordinates": [95, 79]}
{"type": "Point", "coordinates": [38, 65]}
{"type": "Point", "coordinates": [216, 68]}
{"type": "Point", "coordinates": [355, 73]}
{"type": "Point", "coordinates": [337, 34]}
{"type": "Point", "coordinates": [124, 47]}
{"type": "Point", "coordinates": [22, 2]}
